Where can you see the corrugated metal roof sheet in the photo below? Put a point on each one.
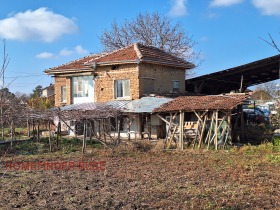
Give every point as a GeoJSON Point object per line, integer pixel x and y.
{"type": "Point", "coordinates": [145, 104]}
{"type": "Point", "coordinates": [93, 105]}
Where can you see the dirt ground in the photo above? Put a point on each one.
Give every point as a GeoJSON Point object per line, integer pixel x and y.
{"type": "Point", "coordinates": [245, 178]}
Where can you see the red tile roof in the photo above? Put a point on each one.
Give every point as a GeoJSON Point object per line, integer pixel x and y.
{"type": "Point", "coordinates": [137, 53]}
{"type": "Point", "coordinates": [74, 65]}
{"type": "Point", "coordinates": [210, 102]}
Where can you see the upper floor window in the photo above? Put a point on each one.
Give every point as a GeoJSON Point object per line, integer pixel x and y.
{"type": "Point", "coordinates": [176, 85]}
{"type": "Point", "coordinates": [80, 86]}
{"type": "Point", "coordinates": [63, 94]}
{"type": "Point", "coordinates": [122, 88]}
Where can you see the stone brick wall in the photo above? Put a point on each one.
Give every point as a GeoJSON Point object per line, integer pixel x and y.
{"type": "Point", "coordinates": [160, 77]}
{"type": "Point", "coordinates": [104, 83]}
{"type": "Point", "coordinates": [59, 82]}
{"type": "Point", "coordinates": [144, 79]}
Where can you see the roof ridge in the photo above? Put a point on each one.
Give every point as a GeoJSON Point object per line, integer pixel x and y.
{"type": "Point", "coordinates": [109, 53]}
{"type": "Point", "coordinates": [101, 55]}
{"type": "Point", "coordinates": [73, 61]}
{"type": "Point", "coordinates": [138, 52]}
{"type": "Point", "coordinates": [156, 48]}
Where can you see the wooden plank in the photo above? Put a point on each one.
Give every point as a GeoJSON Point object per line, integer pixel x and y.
{"type": "Point", "coordinates": [202, 131]}
{"type": "Point", "coordinates": [181, 129]}
{"type": "Point", "coordinates": [216, 131]}
{"type": "Point", "coordinates": [171, 137]}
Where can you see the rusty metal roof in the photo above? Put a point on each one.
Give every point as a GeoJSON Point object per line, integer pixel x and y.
{"type": "Point", "coordinates": [210, 102]}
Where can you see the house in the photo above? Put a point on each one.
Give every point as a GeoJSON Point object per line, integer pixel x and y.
{"type": "Point", "coordinates": [48, 93]}
{"type": "Point", "coordinates": [125, 74]}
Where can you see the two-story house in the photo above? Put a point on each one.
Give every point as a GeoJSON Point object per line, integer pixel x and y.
{"type": "Point", "coordinates": [125, 74]}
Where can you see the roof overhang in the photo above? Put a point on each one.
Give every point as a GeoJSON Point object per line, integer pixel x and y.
{"type": "Point", "coordinates": [68, 71]}
{"type": "Point", "coordinates": [236, 78]}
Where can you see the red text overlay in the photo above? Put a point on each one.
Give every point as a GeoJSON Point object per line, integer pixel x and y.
{"type": "Point", "coordinates": [56, 166]}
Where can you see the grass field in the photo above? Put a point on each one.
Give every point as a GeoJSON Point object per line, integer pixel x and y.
{"type": "Point", "coordinates": [143, 177]}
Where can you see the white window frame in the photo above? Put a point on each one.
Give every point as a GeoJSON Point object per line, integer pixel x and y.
{"type": "Point", "coordinates": [80, 86]}
{"type": "Point", "coordinates": [123, 93]}
{"type": "Point", "coordinates": [175, 85]}
{"type": "Point", "coordinates": [63, 94]}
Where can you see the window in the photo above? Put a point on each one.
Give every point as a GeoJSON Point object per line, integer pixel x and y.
{"type": "Point", "coordinates": [122, 88]}
{"type": "Point", "coordinates": [80, 86]}
{"type": "Point", "coordinates": [63, 94]}
{"type": "Point", "coordinates": [176, 85]}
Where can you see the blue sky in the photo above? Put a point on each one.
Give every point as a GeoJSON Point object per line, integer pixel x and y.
{"type": "Point", "coordinates": [46, 33]}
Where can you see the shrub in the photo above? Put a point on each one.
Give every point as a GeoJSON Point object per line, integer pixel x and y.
{"type": "Point", "coordinates": [276, 141]}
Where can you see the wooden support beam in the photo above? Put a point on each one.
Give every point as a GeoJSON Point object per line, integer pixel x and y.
{"type": "Point", "coordinates": [216, 131]}
{"type": "Point", "coordinates": [181, 132]}
{"type": "Point", "coordinates": [208, 137]}
{"type": "Point", "coordinates": [242, 123]}
{"type": "Point", "coordinates": [84, 137]}
{"type": "Point", "coordinates": [50, 138]}
{"type": "Point", "coordinates": [202, 131]}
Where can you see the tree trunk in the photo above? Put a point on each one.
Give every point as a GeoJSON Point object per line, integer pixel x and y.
{"type": "Point", "coordinates": [38, 132]}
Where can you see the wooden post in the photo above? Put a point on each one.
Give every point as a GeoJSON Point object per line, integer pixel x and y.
{"type": "Point", "coordinates": [50, 140]}
{"type": "Point", "coordinates": [202, 131]}
{"type": "Point", "coordinates": [216, 131]}
{"type": "Point", "coordinates": [2, 124]}
{"type": "Point", "coordinates": [38, 132]}
{"type": "Point", "coordinates": [58, 132]}
{"type": "Point", "coordinates": [91, 131]}
{"type": "Point", "coordinates": [99, 129]}
{"type": "Point", "coordinates": [84, 138]}
{"type": "Point", "coordinates": [181, 130]}
{"type": "Point", "coordinates": [12, 135]}
{"type": "Point", "coordinates": [128, 128]}
{"type": "Point", "coordinates": [242, 123]}
{"type": "Point", "coordinates": [104, 131]}
{"type": "Point", "coordinates": [28, 128]}
{"type": "Point", "coordinates": [229, 125]}
{"type": "Point", "coordinates": [119, 130]}
{"type": "Point", "coordinates": [33, 129]}
{"type": "Point", "coordinates": [210, 131]}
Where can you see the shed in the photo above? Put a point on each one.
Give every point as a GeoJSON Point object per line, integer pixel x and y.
{"type": "Point", "coordinates": [201, 120]}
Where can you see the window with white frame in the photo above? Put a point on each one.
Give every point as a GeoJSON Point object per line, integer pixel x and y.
{"type": "Point", "coordinates": [63, 93]}
{"type": "Point", "coordinates": [176, 85]}
{"type": "Point", "coordinates": [122, 88]}
{"type": "Point", "coordinates": [80, 86]}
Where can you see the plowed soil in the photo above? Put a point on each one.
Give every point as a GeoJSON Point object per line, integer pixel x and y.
{"type": "Point", "coordinates": [235, 179]}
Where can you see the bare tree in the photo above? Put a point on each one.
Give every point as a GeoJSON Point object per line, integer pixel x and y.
{"type": "Point", "coordinates": [271, 42]}
{"type": "Point", "coordinates": [5, 63]}
{"type": "Point", "coordinates": [269, 87]}
{"type": "Point", "coordinates": [151, 30]}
